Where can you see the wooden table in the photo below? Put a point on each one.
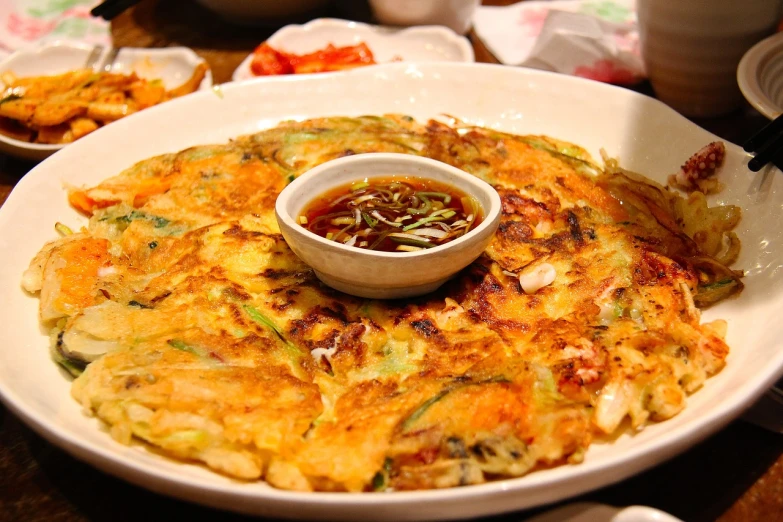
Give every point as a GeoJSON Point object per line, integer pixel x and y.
{"type": "Point", "coordinates": [735, 475]}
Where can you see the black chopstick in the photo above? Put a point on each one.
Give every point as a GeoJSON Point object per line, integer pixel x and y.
{"type": "Point", "coordinates": [109, 9]}
{"type": "Point", "coordinates": [765, 134]}
{"type": "Point", "coordinates": [767, 145]}
{"type": "Point", "coordinates": [771, 151]}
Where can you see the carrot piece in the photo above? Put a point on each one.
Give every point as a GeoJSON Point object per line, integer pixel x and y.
{"type": "Point", "coordinates": [148, 188]}
{"type": "Point", "coordinates": [85, 204]}
{"type": "Point", "coordinates": [81, 202]}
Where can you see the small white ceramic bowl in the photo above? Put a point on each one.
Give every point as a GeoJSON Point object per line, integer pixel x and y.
{"type": "Point", "coordinates": [259, 12]}
{"type": "Point", "coordinates": [173, 65]}
{"type": "Point", "coordinates": [457, 15]}
{"type": "Point", "coordinates": [383, 275]}
{"type": "Point", "coordinates": [760, 76]}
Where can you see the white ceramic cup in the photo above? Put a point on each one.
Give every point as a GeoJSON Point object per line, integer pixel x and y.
{"type": "Point", "coordinates": [454, 14]}
{"type": "Point", "coordinates": [691, 49]}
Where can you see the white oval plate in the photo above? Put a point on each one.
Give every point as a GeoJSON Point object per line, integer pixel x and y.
{"type": "Point", "coordinates": [429, 43]}
{"type": "Point", "coordinates": [646, 135]}
{"type": "Point", "coordinates": [173, 65]}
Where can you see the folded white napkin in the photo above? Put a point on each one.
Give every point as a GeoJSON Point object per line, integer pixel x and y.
{"type": "Point", "coordinates": [595, 39]}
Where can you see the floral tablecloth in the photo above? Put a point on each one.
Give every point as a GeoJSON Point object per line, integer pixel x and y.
{"type": "Point", "coordinates": [25, 22]}
{"type": "Point", "coordinates": [596, 39]}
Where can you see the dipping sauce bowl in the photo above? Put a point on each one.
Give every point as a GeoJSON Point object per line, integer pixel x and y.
{"type": "Point", "coordinates": [374, 274]}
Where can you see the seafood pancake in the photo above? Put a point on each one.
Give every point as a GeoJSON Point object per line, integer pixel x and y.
{"type": "Point", "coordinates": [192, 326]}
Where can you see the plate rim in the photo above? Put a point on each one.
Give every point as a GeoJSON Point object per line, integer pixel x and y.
{"type": "Point", "coordinates": [665, 446]}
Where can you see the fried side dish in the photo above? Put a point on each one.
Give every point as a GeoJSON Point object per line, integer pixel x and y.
{"type": "Point", "coordinates": [268, 61]}
{"type": "Point", "coordinates": [191, 325]}
{"type": "Point", "coordinates": [63, 108]}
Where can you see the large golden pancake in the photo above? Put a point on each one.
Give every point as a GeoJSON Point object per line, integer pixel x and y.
{"type": "Point", "coordinates": [201, 333]}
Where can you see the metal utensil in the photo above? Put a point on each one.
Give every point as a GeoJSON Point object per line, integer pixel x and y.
{"type": "Point", "coordinates": [108, 61]}
{"type": "Point", "coordinates": [95, 55]}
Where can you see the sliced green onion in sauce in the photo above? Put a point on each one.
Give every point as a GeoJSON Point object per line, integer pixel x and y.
{"type": "Point", "coordinates": [394, 214]}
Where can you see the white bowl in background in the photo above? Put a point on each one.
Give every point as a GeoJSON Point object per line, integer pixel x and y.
{"type": "Point", "coordinates": [760, 76]}
{"type": "Point", "coordinates": [173, 65]}
{"type": "Point", "coordinates": [371, 273]}
{"type": "Point", "coordinates": [457, 15]}
{"type": "Point", "coordinates": [256, 12]}
{"type": "Point", "coordinates": [415, 44]}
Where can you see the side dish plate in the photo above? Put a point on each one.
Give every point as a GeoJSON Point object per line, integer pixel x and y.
{"type": "Point", "coordinates": [173, 65]}
{"type": "Point", "coordinates": [414, 44]}
{"type": "Point", "coordinates": [644, 134]}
